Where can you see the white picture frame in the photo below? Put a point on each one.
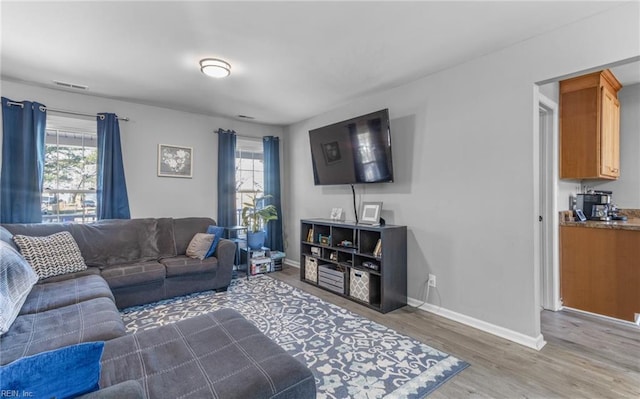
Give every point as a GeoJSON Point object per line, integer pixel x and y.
{"type": "Point", "coordinates": [370, 212]}
{"type": "Point", "coordinates": [337, 214]}
{"type": "Point", "coordinates": [175, 161]}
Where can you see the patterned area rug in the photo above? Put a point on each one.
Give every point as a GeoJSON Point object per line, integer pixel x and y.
{"type": "Point", "coordinates": [350, 356]}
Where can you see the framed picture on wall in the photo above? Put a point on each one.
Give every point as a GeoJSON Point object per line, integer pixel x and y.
{"type": "Point", "coordinates": [175, 161]}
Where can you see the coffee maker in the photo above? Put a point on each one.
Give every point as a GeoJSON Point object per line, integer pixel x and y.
{"type": "Point", "coordinates": [595, 205]}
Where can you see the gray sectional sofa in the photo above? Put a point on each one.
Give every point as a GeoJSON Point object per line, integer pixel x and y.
{"type": "Point", "coordinates": [215, 355]}
{"type": "Point", "coordinates": [143, 260]}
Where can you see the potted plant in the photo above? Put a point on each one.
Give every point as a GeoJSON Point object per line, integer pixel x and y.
{"type": "Point", "coordinates": [255, 218]}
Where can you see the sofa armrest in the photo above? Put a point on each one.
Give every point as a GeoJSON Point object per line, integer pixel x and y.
{"type": "Point", "coordinates": [226, 254]}
{"type": "Point", "coordinates": [130, 389]}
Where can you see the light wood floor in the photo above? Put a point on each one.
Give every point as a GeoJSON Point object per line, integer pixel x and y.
{"type": "Point", "coordinates": [585, 356]}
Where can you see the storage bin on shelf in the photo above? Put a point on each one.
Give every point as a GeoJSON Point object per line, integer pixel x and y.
{"type": "Point", "coordinates": [311, 269]}
{"type": "Point", "coordinates": [361, 288]}
{"type": "Point", "coordinates": [330, 277]}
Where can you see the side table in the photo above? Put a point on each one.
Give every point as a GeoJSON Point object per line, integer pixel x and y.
{"type": "Point", "coordinates": [238, 234]}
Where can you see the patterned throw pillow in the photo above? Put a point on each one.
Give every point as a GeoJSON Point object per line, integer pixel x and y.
{"type": "Point", "coordinates": [199, 245]}
{"type": "Point", "coordinates": [51, 255]}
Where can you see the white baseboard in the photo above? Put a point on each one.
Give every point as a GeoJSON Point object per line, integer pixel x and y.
{"type": "Point", "coordinates": [291, 262]}
{"type": "Point", "coordinates": [601, 316]}
{"type": "Point", "coordinates": [536, 343]}
{"type": "Point", "coordinates": [530, 342]}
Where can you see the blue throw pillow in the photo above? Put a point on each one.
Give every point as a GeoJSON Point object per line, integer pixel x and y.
{"type": "Point", "coordinates": [17, 278]}
{"type": "Point", "coordinates": [61, 373]}
{"type": "Point", "coordinates": [218, 232]}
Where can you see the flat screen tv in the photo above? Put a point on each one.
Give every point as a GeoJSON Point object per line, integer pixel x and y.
{"type": "Point", "coordinates": [354, 151]}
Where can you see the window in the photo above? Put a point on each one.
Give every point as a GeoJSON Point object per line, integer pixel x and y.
{"type": "Point", "coordinates": [249, 172]}
{"type": "Point", "coordinates": [70, 170]}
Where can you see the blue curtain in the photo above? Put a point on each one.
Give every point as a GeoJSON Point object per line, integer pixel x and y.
{"type": "Point", "coordinates": [23, 126]}
{"type": "Point", "coordinates": [226, 178]}
{"type": "Point", "coordinates": [271, 146]}
{"type": "Point", "coordinates": [113, 202]}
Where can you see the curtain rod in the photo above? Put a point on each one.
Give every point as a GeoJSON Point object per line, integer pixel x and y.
{"type": "Point", "coordinates": [248, 137]}
{"type": "Point", "coordinates": [243, 136]}
{"type": "Point", "coordinates": [62, 111]}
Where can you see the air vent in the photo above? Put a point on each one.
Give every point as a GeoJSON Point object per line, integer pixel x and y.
{"type": "Point", "coordinates": [71, 85]}
{"type": "Point", "coordinates": [245, 117]}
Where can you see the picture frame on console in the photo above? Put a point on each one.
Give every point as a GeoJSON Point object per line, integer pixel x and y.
{"type": "Point", "coordinates": [337, 214]}
{"type": "Point", "coordinates": [370, 212]}
{"type": "Point", "coordinates": [175, 161]}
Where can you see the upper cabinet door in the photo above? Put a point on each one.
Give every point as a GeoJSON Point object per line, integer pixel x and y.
{"type": "Point", "coordinates": [610, 134]}
{"type": "Point", "coordinates": [590, 127]}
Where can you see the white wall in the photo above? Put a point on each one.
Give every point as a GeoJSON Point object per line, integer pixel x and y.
{"type": "Point", "coordinates": [465, 155]}
{"type": "Point", "coordinates": [626, 190]}
{"type": "Point", "coordinates": [150, 195]}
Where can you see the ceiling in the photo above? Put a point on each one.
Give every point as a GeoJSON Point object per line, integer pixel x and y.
{"type": "Point", "coordinates": [290, 60]}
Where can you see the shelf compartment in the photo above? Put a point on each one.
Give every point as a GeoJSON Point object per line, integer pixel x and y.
{"type": "Point", "coordinates": [364, 286]}
{"type": "Point", "coordinates": [367, 263]}
{"type": "Point", "coordinates": [320, 232]}
{"type": "Point", "coordinates": [341, 236]}
{"type": "Point", "coordinates": [368, 241]}
{"type": "Point", "coordinates": [331, 277]}
{"type": "Point", "coordinates": [306, 231]}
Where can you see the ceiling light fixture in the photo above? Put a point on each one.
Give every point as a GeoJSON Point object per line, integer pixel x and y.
{"type": "Point", "coordinates": [215, 68]}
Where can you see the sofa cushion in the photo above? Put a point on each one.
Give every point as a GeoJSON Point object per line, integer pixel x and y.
{"type": "Point", "coordinates": [7, 237]}
{"type": "Point", "coordinates": [199, 245]}
{"type": "Point", "coordinates": [93, 320]}
{"type": "Point", "coordinates": [47, 296]}
{"type": "Point", "coordinates": [166, 239]}
{"type": "Point", "coordinates": [89, 271]}
{"type": "Point", "coordinates": [51, 255]}
{"type": "Point", "coordinates": [185, 228]}
{"type": "Point", "coordinates": [117, 241]}
{"type": "Point", "coordinates": [61, 373]}
{"type": "Point", "coordinates": [111, 241]}
{"type": "Point", "coordinates": [182, 265]}
{"type": "Point", "coordinates": [215, 355]}
{"type": "Point", "coordinates": [16, 281]}
{"type": "Point", "coordinates": [37, 229]}
{"type": "Point", "coordinates": [133, 274]}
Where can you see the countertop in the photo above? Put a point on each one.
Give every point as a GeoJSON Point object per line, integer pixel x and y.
{"type": "Point", "coordinates": [630, 224]}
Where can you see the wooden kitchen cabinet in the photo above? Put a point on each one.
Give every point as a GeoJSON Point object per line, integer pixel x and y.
{"type": "Point", "coordinates": [590, 127]}
{"type": "Point", "coordinates": [599, 270]}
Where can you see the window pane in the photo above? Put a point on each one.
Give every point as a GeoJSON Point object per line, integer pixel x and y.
{"type": "Point", "coordinates": [245, 182]}
{"type": "Point", "coordinates": [258, 165]}
{"type": "Point", "coordinates": [70, 171]}
{"type": "Point", "coordinates": [259, 182]}
{"type": "Point", "coordinates": [249, 171]}
{"type": "Point", "coordinates": [246, 164]}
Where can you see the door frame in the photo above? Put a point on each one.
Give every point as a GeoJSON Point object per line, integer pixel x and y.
{"type": "Point", "coordinates": [549, 249]}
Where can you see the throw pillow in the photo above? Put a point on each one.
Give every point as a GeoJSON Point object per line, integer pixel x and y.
{"type": "Point", "coordinates": [16, 281]}
{"type": "Point", "coordinates": [218, 232]}
{"type": "Point", "coordinates": [51, 255]}
{"type": "Point", "coordinates": [61, 373]}
{"type": "Point", "coordinates": [199, 245]}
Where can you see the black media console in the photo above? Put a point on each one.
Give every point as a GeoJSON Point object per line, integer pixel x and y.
{"type": "Point", "coordinates": [367, 264]}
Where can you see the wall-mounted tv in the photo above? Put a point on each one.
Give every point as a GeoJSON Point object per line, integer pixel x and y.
{"type": "Point", "coordinates": [354, 151]}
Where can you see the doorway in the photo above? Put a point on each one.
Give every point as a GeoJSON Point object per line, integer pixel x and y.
{"type": "Point", "coordinates": [548, 211]}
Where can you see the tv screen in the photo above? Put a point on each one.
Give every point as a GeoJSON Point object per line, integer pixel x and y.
{"type": "Point", "coordinates": [354, 151]}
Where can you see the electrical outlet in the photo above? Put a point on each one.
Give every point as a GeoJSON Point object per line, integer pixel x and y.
{"type": "Point", "coordinates": [432, 280]}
